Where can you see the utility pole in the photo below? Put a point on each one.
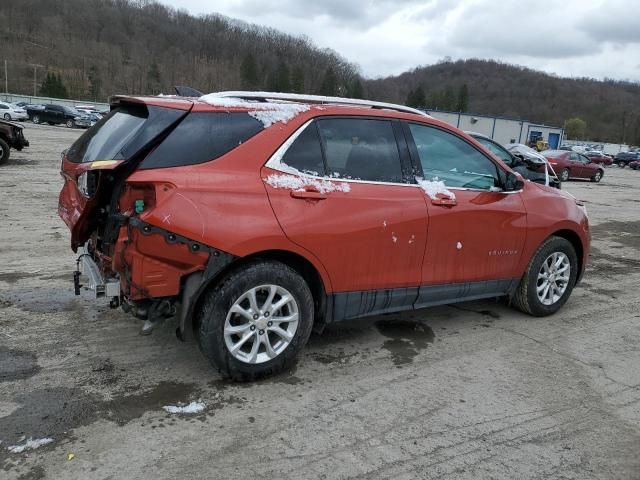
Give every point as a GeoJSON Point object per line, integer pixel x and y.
{"type": "Point", "coordinates": [6, 78]}
{"type": "Point", "coordinates": [35, 78]}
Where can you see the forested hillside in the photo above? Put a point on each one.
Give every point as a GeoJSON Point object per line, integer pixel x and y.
{"type": "Point", "coordinates": [101, 47]}
{"type": "Point", "coordinates": [91, 49]}
{"type": "Point", "coordinates": [610, 108]}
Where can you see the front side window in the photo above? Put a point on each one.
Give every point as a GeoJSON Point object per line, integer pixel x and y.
{"type": "Point", "coordinates": [361, 149]}
{"type": "Point", "coordinates": [450, 159]}
{"type": "Point", "coordinates": [497, 150]}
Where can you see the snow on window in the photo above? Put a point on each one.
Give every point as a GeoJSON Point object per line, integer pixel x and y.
{"type": "Point", "coordinates": [267, 113]}
{"type": "Point", "coordinates": [294, 179]}
{"type": "Point", "coordinates": [30, 444]}
{"type": "Point", "coordinates": [193, 407]}
{"type": "Point", "coordinates": [434, 187]}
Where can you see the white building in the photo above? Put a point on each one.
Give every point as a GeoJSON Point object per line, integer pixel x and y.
{"type": "Point", "coordinates": [501, 129]}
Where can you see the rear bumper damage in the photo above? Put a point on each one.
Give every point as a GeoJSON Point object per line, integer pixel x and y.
{"type": "Point", "coordinates": [151, 272]}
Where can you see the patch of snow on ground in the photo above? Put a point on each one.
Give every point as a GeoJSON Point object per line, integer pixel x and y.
{"type": "Point", "coordinates": [266, 113]}
{"type": "Point", "coordinates": [434, 187]}
{"type": "Point", "coordinates": [193, 407]}
{"type": "Point", "coordinates": [30, 444]}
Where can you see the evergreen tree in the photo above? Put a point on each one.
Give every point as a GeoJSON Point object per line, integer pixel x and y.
{"type": "Point", "coordinates": [416, 98]}
{"type": "Point", "coordinates": [153, 79]}
{"type": "Point", "coordinates": [355, 89]}
{"type": "Point", "coordinates": [449, 99]}
{"type": "Point", "coordinates": [463, 99]}
{"type": "Point", "coordinates": [279, 79]}
{"type": "Point", "coordinates": [249, 72]}
{"type": "Point", "coordinates": [95, 83]}
{"type": "Point", "coordinates": [53, 86]}
{"type": "Point", "coordinates": [329, 86]}
{"type": "Point", "coordinates": [297, 80]}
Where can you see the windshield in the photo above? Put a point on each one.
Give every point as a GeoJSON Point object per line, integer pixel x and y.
{"type": "Point", "coordinates": [109, 136]}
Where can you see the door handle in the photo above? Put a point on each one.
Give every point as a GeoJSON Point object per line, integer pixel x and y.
{"type": "Point", "coordinates": [444, 201]}
{"type": "Point", "coordinates": [308, 194]}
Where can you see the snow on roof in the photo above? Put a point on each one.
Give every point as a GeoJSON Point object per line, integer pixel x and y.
{"type": "Point", "coordinates": [266, 112]}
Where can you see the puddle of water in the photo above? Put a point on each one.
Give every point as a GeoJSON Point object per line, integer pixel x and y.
{"type": "Point", "coordinates": [13, 277]}
{"type": "Point", "coordinates": [16, 364]}
{"type": "Point", "coordinates": [406, 339]}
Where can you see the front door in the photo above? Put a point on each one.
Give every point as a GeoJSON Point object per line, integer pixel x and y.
{"type": "Point", "coordinates": [353, 210]}
{"type": "Point", "coordinates": [476, 230]}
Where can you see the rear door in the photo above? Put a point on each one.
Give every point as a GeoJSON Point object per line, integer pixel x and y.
{"type": "Point", "coordinates": [477, 232]}
{"type": "Point", "coordinates": [354, 209]}
{"type": "Point", "coordinates": [577, 165]}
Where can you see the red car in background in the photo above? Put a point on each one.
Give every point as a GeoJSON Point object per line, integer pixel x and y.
{"type": "Point", "coordinates": [600, 158]}
{"type": "Point", "coordinates": [635, 165]}
{"type": "Point", "coordinates": [573, 165]}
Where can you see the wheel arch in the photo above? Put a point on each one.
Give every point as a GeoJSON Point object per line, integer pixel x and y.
{"type": "Point", "coordinates": [302, 265]}
{"type": "Point", "coordinates": [574, 239]}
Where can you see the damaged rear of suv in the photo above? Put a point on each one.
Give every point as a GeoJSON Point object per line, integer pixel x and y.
{"type": "Point", "coordinates": [256, 217]}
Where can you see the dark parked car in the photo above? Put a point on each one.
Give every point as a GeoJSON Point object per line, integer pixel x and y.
{"type": "Point", "coordinates": [527, 169]}
{"type": "Point", "coordinates": [573, 165]}
{"type": "Point", "coordinates": [88, 120]}
{"type": "Point", "coordinates": [54, 115]}
{"type": "Point", "coordinates": [624, 158]}
{"type": "Point", "coordinates": [11, 136]}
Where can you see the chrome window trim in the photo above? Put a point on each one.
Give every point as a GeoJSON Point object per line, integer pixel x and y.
{"type": "Point", "coordinates": [275, 163]}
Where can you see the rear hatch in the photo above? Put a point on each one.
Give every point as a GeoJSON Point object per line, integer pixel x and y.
{"type": "Point", "coordinates": [96, 166]}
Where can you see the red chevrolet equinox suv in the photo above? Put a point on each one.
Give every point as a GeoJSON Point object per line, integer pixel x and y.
{"type": "Point", "coordinates": [255, 218]}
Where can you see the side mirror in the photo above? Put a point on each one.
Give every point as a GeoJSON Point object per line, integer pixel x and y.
{"type": "Point", "coordinates": [514, 182]}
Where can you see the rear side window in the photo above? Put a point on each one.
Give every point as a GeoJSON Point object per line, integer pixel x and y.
{"type": "Point", "coordinates": [305, 153]}
{"type": "Point", "coordinates": [202, 137]}
{"type": "Point", "coordinates": [110, 136]}
{"type": "Point", "coordinates": [360, 149]}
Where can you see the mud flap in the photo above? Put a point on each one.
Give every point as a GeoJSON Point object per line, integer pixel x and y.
{"type": "Point", "coordinates": [191, 286]}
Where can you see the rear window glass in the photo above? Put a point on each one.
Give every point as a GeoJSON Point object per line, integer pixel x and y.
{"type": "Point", "coordinates": [202, 137]}
{"type": "Point", "coordinates": [305, 154]}
{"type": "Point", "coordinates": [109, 136]}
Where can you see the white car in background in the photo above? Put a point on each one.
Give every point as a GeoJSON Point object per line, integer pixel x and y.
{"type": "Point", "coordinates": [8, 111]}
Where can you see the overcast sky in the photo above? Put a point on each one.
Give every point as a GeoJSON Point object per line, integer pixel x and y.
{"type": "Point", "coordinates": [385, 37]}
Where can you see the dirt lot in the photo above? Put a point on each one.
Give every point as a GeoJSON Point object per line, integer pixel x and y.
{"type": "Point", "coordinates": [468, 391]}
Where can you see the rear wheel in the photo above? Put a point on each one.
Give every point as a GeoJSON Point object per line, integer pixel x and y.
{"type": "Point", "coordinates": [256, 320]}
{"type": "Point", "coordinates": [36, 119]}
{"type": "Point", "coordinates": [564, 175]}
{"type": "Point", "coordinates": [4, 151]}
{"type": "Point", "coordinates": [7, 116]}
{"type": "Point", "coordinates": [621, 164]}
{"type": "Point", "coordinates": [598, 176]}
{"type": "Point", "coordinates": [549, 279]}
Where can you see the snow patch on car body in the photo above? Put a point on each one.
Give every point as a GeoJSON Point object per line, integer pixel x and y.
{"type": "Point", "coordinates": [266, 113]}
{"type": "Point", "coordinates": [435, 187]}
{"type": "Point", "coordinates": [30, 444]}
{"type": "Point", "coordinates": [299, 183]}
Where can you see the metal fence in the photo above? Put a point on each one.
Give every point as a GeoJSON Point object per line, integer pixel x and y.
{"type": "Point", "coordinates": [12, 98]}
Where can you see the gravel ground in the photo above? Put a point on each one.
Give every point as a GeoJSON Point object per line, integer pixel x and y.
{"type": "Point", "coordinates": [469, 391]}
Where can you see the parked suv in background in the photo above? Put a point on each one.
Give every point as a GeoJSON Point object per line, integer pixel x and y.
{"type": "Point", "coordinates": [257, 217]}
{"type": "Point", "coordinates": [11, 136]}
{"type": "Point", "coordinates": [623, 159]}
{"type": "Point", "coordinates": [54, 115]}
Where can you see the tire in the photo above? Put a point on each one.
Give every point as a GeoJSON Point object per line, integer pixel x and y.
{"type": "Point", "coordinates": [51, 123]}
{"type": "Point", "coordinates": [70, 124]}
{"type": "Point", "coordinates": [621, 164]}
{"type": "Point", "coordinates": [564, 175]}
{"type": "Point", "coordinates": [215, 318]}
{"type": "Point", "coordinates": [598, 176]}
{"type": "Point", "coordinates": [7, 117]}
{"type": "Point", "coordinates": [4, 151]}
{"type": "Point", "coordinates": [526, 298]}
{"type": "Point", "coordinates": [36, 119]}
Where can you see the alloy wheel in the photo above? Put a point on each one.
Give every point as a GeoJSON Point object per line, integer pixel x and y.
{"type": "Point", "coordinates": [7, 116]}
{"type": "Point", "coordinates": [553, 278]}
{"type": "Point", "coordinates": [261, 324]}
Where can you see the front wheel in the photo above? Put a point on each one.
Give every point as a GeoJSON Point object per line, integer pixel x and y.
{"type": "Point", "coordinates": [597, 177]}
{"type": "Point", "coordinates": [254, 323]}
{"type": "Point", "coordinates": [621, 164]}
{"type": "Point", "coordinates": [36, 119]}
{"type": "Point", "coordinates": [7, 116]}
{"type": "Point", "coordinates": [549, 279]}
{"type": "Point", "coordinates": [70, 124]}
{"type": "Point", "coordinates": [564, 175]}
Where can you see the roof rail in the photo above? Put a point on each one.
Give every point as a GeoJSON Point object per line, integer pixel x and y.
{"type": "Point", "coordinates": [317, 99]}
